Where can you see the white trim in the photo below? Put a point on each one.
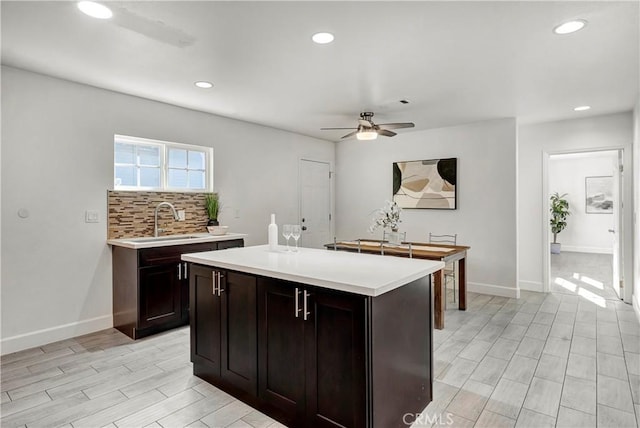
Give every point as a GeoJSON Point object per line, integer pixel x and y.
{"type": "Point", "coordinates": [636, 306]}
{"type": "Point", "coordinates": [546, 252]}
{"type": "Point", "coordinates": [546, 255]}
{"type": "Point", "coordinates": [494, 290]}
{"type": "Point", "coordinates": [531, 285]}
{"type": "Point", "coordinates": [592, 250]}
{"type": "Point", "coordinates": [54, 334]}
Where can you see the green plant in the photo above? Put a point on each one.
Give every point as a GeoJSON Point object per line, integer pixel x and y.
{"type": "Point", "coordinates": [212, 204]}
{"type": "Point", "coordinates": [559, 210]}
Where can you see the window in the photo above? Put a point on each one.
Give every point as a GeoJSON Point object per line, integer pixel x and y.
{"type": "Point", "coordinates": [141, 164]}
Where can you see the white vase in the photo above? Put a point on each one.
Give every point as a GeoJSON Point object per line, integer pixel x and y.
{"type": "Point", "coordinates": [394, 237]}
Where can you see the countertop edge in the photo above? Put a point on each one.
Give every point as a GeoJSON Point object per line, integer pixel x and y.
{"type": "Point", "coordinates": [127, 243]}
{"type": "Point", "coordinates": [333, 285]}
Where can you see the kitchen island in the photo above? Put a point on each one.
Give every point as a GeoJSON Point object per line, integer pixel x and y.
{"type": "Point", "coordinates": [315, 338]}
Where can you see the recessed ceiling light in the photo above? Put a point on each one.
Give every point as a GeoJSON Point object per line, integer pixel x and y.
{"type": "Point", "coordinates": [322, 38]}
{"type": "Point", "coordinates": [95, 10]}
{"type": "Point", "coordinates": [204, 85]}
{"type": "Point", "coordinates": [570, 26]}
{"type": "Point", "coordinates": [582, 108]}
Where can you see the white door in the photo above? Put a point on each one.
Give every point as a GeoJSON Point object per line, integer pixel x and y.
{"type": "Point", "coordinates": [617, 224]}
{"type": "Point", "coordinates": [315, 203]}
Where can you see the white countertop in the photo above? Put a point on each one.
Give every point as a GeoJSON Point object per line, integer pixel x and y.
{"type": "Point", "coordinates": [366, 274]}
{"type": "Point", "coordinates": [168, 240]}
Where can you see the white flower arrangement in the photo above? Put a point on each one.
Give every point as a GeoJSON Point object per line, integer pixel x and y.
{"type": "Point", "coordinates": [387, 217]}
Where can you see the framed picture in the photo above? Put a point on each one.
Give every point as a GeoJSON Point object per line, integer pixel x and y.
{"type": "Point", "coordinates": [598, 195]}
{"type": "Point", "coordinates": [429, 184]}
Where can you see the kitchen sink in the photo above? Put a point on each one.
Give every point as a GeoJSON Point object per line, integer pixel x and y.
{"type": "Point", "coordinates": [164, 238]}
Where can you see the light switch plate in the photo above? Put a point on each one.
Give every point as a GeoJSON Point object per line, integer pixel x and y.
{"type": "Point", "coordinates": [181, 215]}
{"type": "Point", "coordinates": [91, 216]}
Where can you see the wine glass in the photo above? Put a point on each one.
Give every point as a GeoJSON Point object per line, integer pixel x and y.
{"type": "Point", "coordinates": [295, 234]}
{"type": "Point", "coordinates": [286, 232]}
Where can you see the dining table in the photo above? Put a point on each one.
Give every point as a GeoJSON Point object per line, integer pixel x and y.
{"type": "Point", "coordinates": [420, 250]}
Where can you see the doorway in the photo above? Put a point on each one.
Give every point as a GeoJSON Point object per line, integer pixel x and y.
{"type": "Point", "coordinates": [315, 203]}
{"type": "Point", "coordinates": [590, 262]}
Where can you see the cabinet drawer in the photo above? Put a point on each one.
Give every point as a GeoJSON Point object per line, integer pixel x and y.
{"type": "Point", "coordinates": [171, 254]}
{"type": "Point", "coordinates": [230, 244]}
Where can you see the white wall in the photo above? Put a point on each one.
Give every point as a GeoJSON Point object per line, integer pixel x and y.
{"type": "Point", "coordinates": [588, 233]}
{"type": "Point", "coordinates": [485, 218]}
{"type": "Point", "coordinates": [58, 162]}
{"type": "Point", "coordinates": [598, 132]}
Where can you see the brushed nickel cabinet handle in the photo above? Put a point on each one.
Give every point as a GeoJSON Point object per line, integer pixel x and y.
{"type": "Point", "coordinates": [297, 311]}
{"type": "Point", "coordinates": [305, 313]}
{"type": "Point", "coordinates": [220, 289]}
{"type": "Point", "coordinates": [179, 271]}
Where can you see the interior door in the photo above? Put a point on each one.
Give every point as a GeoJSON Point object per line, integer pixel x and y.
{"type": "Point", "coordinates": [617, 224]}
{"type": "Point", "coordinates": [315, 203]}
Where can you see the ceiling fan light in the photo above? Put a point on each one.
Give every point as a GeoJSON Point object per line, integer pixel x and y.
{"type": "Point", "coordinates": [367, 135]}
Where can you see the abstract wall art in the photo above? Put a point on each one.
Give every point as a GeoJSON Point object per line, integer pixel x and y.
{"type": "Point", "coordinates": [599, 195]}
{"type": "Point", "coordinates": [429, 184]}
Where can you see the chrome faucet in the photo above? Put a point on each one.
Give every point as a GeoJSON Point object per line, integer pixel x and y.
{"type": "Point", "coordinates": [155, 221]}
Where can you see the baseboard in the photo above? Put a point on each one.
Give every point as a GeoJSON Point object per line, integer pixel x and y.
{"type": "Point", "coordinates": [54, 334]}
{"type": "Point", "coordinates": [636, 305]}
{"type": "Point", "coordinates": [494, 290]}
{"type": "Point", "coordinates": [531, 286]}
{"type": "Point", "coordinates": [592, 250]}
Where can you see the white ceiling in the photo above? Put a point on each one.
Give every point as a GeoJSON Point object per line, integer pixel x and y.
{"type": "Point", "coordinates": [457, 62]}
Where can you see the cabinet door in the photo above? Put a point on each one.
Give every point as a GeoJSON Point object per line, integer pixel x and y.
{"type": "Point", "coordinates": [335, 359]}
{"type": "Point", "coordinates": [205, 317]}
{"type": "Point", "coordinates": [281, 350]}
{"type": "Point", "coordinates": [239, 331]}
{"type": "Point", "coordinates": [159, 295]}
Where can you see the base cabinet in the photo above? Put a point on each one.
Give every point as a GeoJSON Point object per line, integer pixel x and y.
{"type": "Point", "coordinates": [312, 348]}
{"type": "Point", "coordinates": [223, 328]}
{"type": "Point", "coordinates": [151, 287]}
{"type": "Point", "coordinates": [310, 356]}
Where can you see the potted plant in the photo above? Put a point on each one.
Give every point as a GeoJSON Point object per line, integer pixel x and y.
{"type": "Point", "coordinates": [212, 205]}
{"type": "Point", "coordinates": [559, 210]}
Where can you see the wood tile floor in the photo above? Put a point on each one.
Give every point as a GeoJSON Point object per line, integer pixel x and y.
{"type": "Point", "coordinates": [569, 358]}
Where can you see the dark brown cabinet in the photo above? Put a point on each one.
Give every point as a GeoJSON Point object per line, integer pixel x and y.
{"type": "Point", "coordinates": [312, 354]}
{"type": "Point", "coordinates": [223, 327]}
{"type": "Point", "coordinates": [151, 286]}
{"type": "Point", "coordinates": [160, 296]}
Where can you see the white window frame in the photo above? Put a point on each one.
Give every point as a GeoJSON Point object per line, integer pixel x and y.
{"type": "Point", "coordinates": [164, 165]}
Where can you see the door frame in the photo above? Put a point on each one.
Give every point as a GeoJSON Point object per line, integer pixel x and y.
{"type": "Point", "coordinates": [332, 174]}
{"type": "Point", "coordinates": [546, 255]}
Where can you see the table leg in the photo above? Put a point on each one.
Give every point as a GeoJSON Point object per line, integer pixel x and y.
{"type": "Point", "coordinates": [462, 286]}
{"type": "Point", "coordinates": [438, 300]}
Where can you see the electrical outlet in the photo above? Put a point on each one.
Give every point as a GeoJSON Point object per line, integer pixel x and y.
{"type": "Point", "coordinates": [237, 213]}
{"type": "Point", "coordinates": [91, 216]}
{"type": "Point", "coordinates": [181, 215]}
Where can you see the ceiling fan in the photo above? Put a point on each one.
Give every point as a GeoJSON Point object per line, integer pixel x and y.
{"type": "Point", "coordinates": [367, 130]}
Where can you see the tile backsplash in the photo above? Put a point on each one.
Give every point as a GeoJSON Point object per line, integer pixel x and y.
{"type": "Point", "coordinates": [131, 213]}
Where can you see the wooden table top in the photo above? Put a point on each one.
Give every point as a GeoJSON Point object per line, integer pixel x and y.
{"type": "Point", "coordinates": [418, 249]}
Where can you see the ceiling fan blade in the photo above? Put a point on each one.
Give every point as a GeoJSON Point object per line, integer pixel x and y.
{"type": "Point", "coordinates": [397, 125]}
{"type": "Point", "coordinates": [386, 133]}
{"type": "Point", "coordinates": [331, 129]}
{"type": "Point", "coordinates": [350, 134]}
